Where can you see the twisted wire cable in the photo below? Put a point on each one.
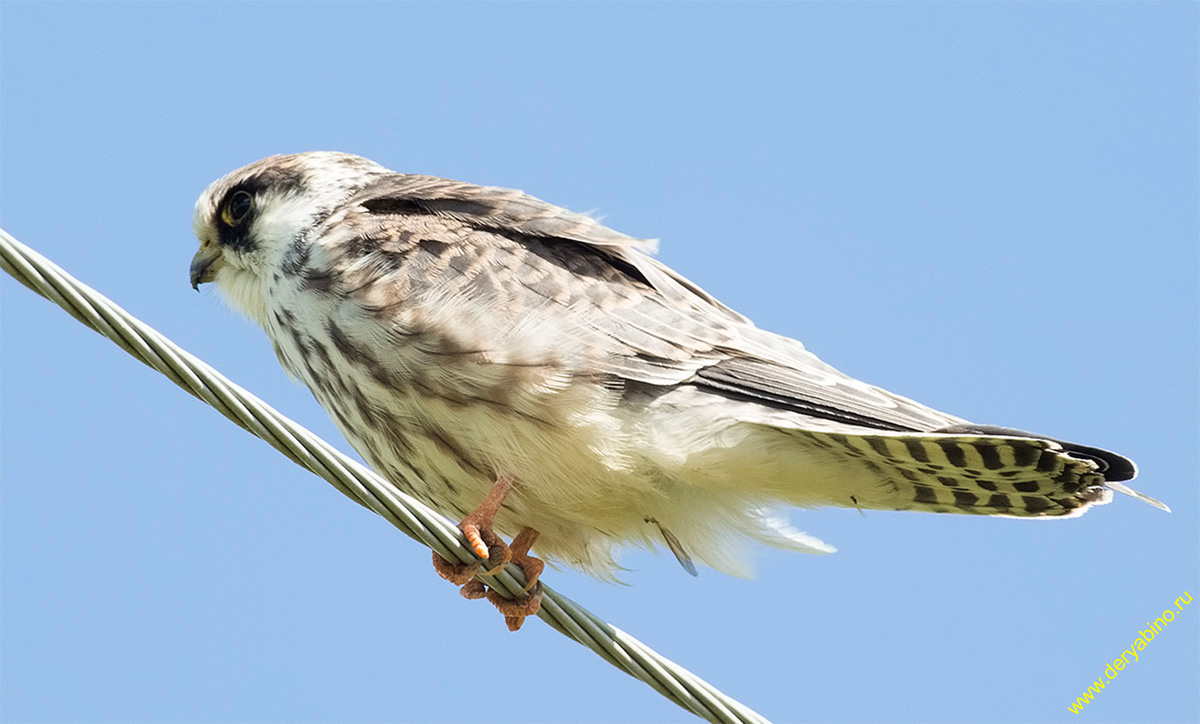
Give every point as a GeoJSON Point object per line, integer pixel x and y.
{"type": "Point", "coordinates": [359, 483]}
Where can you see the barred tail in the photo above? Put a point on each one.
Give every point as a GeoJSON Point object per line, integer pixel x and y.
{"type": "Point", "coordinates": [977, 470]}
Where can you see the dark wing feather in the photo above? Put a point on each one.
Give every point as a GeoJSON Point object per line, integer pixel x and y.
{"type": "Point", "coordinates": [512, 212]}
{"type": "Point", "coordinates": [656, 326]}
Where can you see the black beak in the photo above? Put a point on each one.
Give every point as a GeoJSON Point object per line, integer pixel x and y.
{"type": "Point", "coordinates": [204, 265]}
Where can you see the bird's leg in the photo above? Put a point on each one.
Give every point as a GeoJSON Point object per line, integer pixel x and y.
{"type": "Point", "coordinates": [515, 610]}
{"type": "Point", "coordinates": [477, 527]}
{"type": "Point", "coordinates": [520, 555]}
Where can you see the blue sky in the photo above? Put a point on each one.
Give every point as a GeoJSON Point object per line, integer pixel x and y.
{"type": "Point", "coordinates": [991, 208]}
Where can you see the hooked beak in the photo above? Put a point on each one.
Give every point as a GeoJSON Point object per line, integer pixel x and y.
{"type": "Point", "coordinates": [205, 264]}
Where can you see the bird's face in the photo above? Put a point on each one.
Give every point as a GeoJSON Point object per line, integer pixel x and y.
{"type": "Point", "coordinates": [247, 220]}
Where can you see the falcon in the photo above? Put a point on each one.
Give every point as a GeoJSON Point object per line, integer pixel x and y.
{"type": "Point", "coordinates": [538, 375]}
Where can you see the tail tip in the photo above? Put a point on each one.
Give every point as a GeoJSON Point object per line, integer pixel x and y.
{"type": "Point", "coordinates": [1125, 489]}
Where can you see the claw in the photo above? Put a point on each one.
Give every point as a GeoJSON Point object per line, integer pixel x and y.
{"type": "Point", "coordinates": [516, 610]}
{"type": "Point", "coordinates": [477, 527]}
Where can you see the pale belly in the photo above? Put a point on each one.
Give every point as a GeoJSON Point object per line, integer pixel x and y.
{"type": "Point", "coordinates": [444, 436]}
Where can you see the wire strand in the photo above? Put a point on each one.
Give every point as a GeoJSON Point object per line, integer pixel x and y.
{"type": "Point", "coordinates": [357, 482]}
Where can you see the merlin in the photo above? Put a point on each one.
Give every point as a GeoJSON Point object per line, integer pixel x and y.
{"type": "Point", "coordinates": [538, 375]}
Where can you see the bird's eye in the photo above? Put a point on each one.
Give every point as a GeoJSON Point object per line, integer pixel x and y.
{"type": "Point", "coordinates": [237, 208]}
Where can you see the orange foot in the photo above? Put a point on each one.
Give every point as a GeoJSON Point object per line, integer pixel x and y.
{"type": "Point", "coordinates": [477, 527]}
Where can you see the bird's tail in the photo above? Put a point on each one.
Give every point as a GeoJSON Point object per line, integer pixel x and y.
{"type": "Point", "coordinates": [975, 470]}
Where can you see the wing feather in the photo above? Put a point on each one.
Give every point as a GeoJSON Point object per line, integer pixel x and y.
{"type": "Point", "coordinates": [650, 324]}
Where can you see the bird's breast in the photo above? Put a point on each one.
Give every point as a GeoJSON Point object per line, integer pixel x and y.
{"type": "Point", "coordinates": [443, 415]}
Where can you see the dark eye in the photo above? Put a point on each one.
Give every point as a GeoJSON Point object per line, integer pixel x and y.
{"type": "Point", "coordinates": [237, 208]}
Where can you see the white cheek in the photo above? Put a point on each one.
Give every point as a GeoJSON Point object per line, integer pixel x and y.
{"type": "Point", "coordinates": [245, 279]}
{"type": "Point", "coordinates": [281, 219]}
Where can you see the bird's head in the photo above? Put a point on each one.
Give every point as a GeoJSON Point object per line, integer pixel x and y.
{"type": "Point", "coordinates": [247, 220]}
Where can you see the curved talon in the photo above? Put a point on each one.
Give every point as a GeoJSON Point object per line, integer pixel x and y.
{"type": "Point", "coordinates": [504, 560]}
{"type": "Point", "coordinates": [477, 527]}
{"type": "Point", "coordinates": [533, 571]}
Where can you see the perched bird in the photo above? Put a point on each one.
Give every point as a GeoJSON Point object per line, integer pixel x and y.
{"type": "Point", "coordinates": [535, 373]}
